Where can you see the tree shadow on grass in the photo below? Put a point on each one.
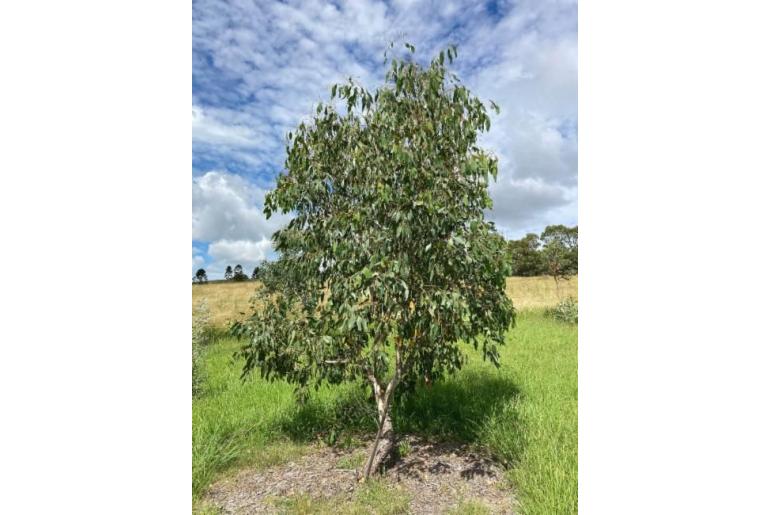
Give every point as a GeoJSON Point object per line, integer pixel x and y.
{"type": "Point", "coordinates": [350, 411]}
{"type": "Point", "coordinates": [458, 408]}
{"type": "Point", "coordinates": [474, 406]}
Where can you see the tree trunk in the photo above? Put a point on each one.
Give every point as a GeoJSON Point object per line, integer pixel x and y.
{"type": "Point", "coordinates": [386, 438]}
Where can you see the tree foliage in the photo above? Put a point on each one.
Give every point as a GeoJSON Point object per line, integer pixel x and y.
{"type": "Point", "coordinates": [388, 263]}
{"type": "Point", "coordinates": [228, 273]}
{"type": "Point", "coordinates": [200, 276]}
{"type": "Point", "coordinates": [526, 258]}
{"type": "Point", "coordinates": [554, 252]}
{"type": "Point", "coordinates": [238, 274]}
{"type": "Point", "coordinates": [560, 251]}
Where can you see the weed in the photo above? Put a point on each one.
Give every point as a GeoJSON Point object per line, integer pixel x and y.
{"type": "Point", "coordinates": [404, 448]}
{"type": "Point", "coordinates": [565, 311]}
{"type": "Point", "coordinates": [200, 337]}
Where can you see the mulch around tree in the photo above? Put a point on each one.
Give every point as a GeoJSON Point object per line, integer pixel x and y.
{"type": "Point", "coordinates": [437, 477]}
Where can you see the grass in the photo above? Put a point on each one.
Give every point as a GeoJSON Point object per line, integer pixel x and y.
{"type": "Point", "coordinates": [227, 300]}
{"type": "Point", "coordinates": [539, 292]}
{"type": "Point", "coordinates": [471, 508]}
{"type": "Point", "coordinates": [524, 413]}
{"type": "Point", "coordinates": [373, 497]}
{"type": "Point", "coordinates": [352, 461]}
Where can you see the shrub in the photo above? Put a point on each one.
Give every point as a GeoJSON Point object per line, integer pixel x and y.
{"type": "Point", "coordinates": [565, 311]}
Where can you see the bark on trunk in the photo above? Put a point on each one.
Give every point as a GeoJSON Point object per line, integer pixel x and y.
{"type": "Point", "coordinates": [385, 439]}
{"type": "Point", "coordinates": [382, 448]}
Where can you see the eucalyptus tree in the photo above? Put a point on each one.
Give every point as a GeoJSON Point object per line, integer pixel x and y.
{"type": "Point", "coordinates": [560, 252]}
{"type": "Point", "coordinates": [566, 238]}
{"type": "Point", "coordinates": [228, 273]}
{"type": "Point", "coordinates": [200, 276]}
{"type": "Point", "coordinates": [388, 263]}
{"type": "Point", "coordinates": [526, 257]}
{"type": "Point", "coordinates": [238, 274]}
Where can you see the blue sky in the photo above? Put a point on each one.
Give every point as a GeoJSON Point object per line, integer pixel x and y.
{"type": "Point", "coordinates": [259, 68]}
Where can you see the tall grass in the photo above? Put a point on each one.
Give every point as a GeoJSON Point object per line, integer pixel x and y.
{"type": "Point", "coordinates": [524, 414]}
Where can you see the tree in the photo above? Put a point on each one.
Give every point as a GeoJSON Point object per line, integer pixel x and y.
{"type": "Point", "coordinates": [388, 262]}
{"type": "Point", "coordinates": [228, 273]}
{"type": "Point", "coordinates": [238, 274]}
{"type": "Point", "coordinates": [200, 276]}
{"type": "Point", "coordinates": [560, 252]}
{"type": "Point", "coordinates": [255, 273]}
{"type": "Point", "coordinates": [526, 257]}
{"type": "Point", "coordinates": [567, 239]}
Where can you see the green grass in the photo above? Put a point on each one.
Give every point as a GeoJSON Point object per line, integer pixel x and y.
{"type": "Point", "coordinates": [524, 414]}
{"type": "Point", "coordinates": [471, 508]}
{"type": "Point", "coordinates": [373, 497]}
{"type": "Point", "coordinates": [352, 461]}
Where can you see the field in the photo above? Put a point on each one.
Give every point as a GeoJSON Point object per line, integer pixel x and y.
{"type": "Point", "coordinates": [227, 299]}
{"type": "Point", "coordinates": [524, 413]}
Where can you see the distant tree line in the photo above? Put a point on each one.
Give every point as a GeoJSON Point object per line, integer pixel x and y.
{"type": "Point", "coordinates": [232, 274]}
{"type": "Point", "coordinates": [554, 252]}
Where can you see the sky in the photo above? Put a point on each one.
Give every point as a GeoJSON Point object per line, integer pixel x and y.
{"type": "Point", "coordinates": [260, 68]}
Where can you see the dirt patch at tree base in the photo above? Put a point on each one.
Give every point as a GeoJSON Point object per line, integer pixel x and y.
{"type": "Point", "coordinates": [429, 478]}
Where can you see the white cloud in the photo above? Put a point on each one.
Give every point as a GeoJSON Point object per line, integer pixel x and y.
{"type": "Point", "coordinates": [227, 213]}
{"type": "Point", "coordinates": [246, 253]}
{"type": "Point", "coordinates": [260, 69]}
{"type": "Point", "coordinates": [243, 252]}
{"type": "Point", "coordinates": [226, 206]}
{"type": "Point", "coordinates": [209, 130]}
{"type": "Point", "coordinates": [197, 262]}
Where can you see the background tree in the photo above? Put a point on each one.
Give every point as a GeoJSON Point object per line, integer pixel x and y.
{"type": "Point", "coordinates": [526, 257]}
{"type": "Point", "coordinates": [255, 273]}
{"type": "Point", "coordinates": [560, 252]}
{"type": "Point", "coordinates": [238, 274]}
{"type": "Point", "coordinates": [228, 273]}
{"type": "Point", "coordinates": [388, 262]}
{"type": "Point", "coordinates": [200, 276]}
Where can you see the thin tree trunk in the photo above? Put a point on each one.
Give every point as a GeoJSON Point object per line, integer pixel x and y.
{"type": "Point", "coordinates": [385, 439]}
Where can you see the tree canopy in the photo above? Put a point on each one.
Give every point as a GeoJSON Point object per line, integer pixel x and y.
{"type": "Point", "coordinates": [526, 258]}
{"type": "Point", "coordinates": [560, 251]}
{"type": "Point", "coordinates": [554, 252]}
{"type": "Point", "coordinates": [238, 274]}
{"type": "Point", "coordinates": [388, 263]}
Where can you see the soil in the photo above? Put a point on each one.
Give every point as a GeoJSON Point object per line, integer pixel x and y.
{"type": "Point", "coordinates": [437, 477]}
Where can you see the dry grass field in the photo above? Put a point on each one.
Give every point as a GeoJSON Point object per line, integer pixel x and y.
{"type": "Point", "coordinates": [538, 292]}
{"type": "Point", "coordinates": [227, 300]}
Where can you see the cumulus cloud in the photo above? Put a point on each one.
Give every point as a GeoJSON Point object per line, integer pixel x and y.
{"type": "Point", "coordinates": [258, 70]}
{"type": "Point", "coordinates": [197, 262]}
{"type": "Point", "coordinates": [227, 206]}
{"type": "Point", "coordinates": [243, 252]}
{"type": "Point", "coordinates": [227, 213]}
